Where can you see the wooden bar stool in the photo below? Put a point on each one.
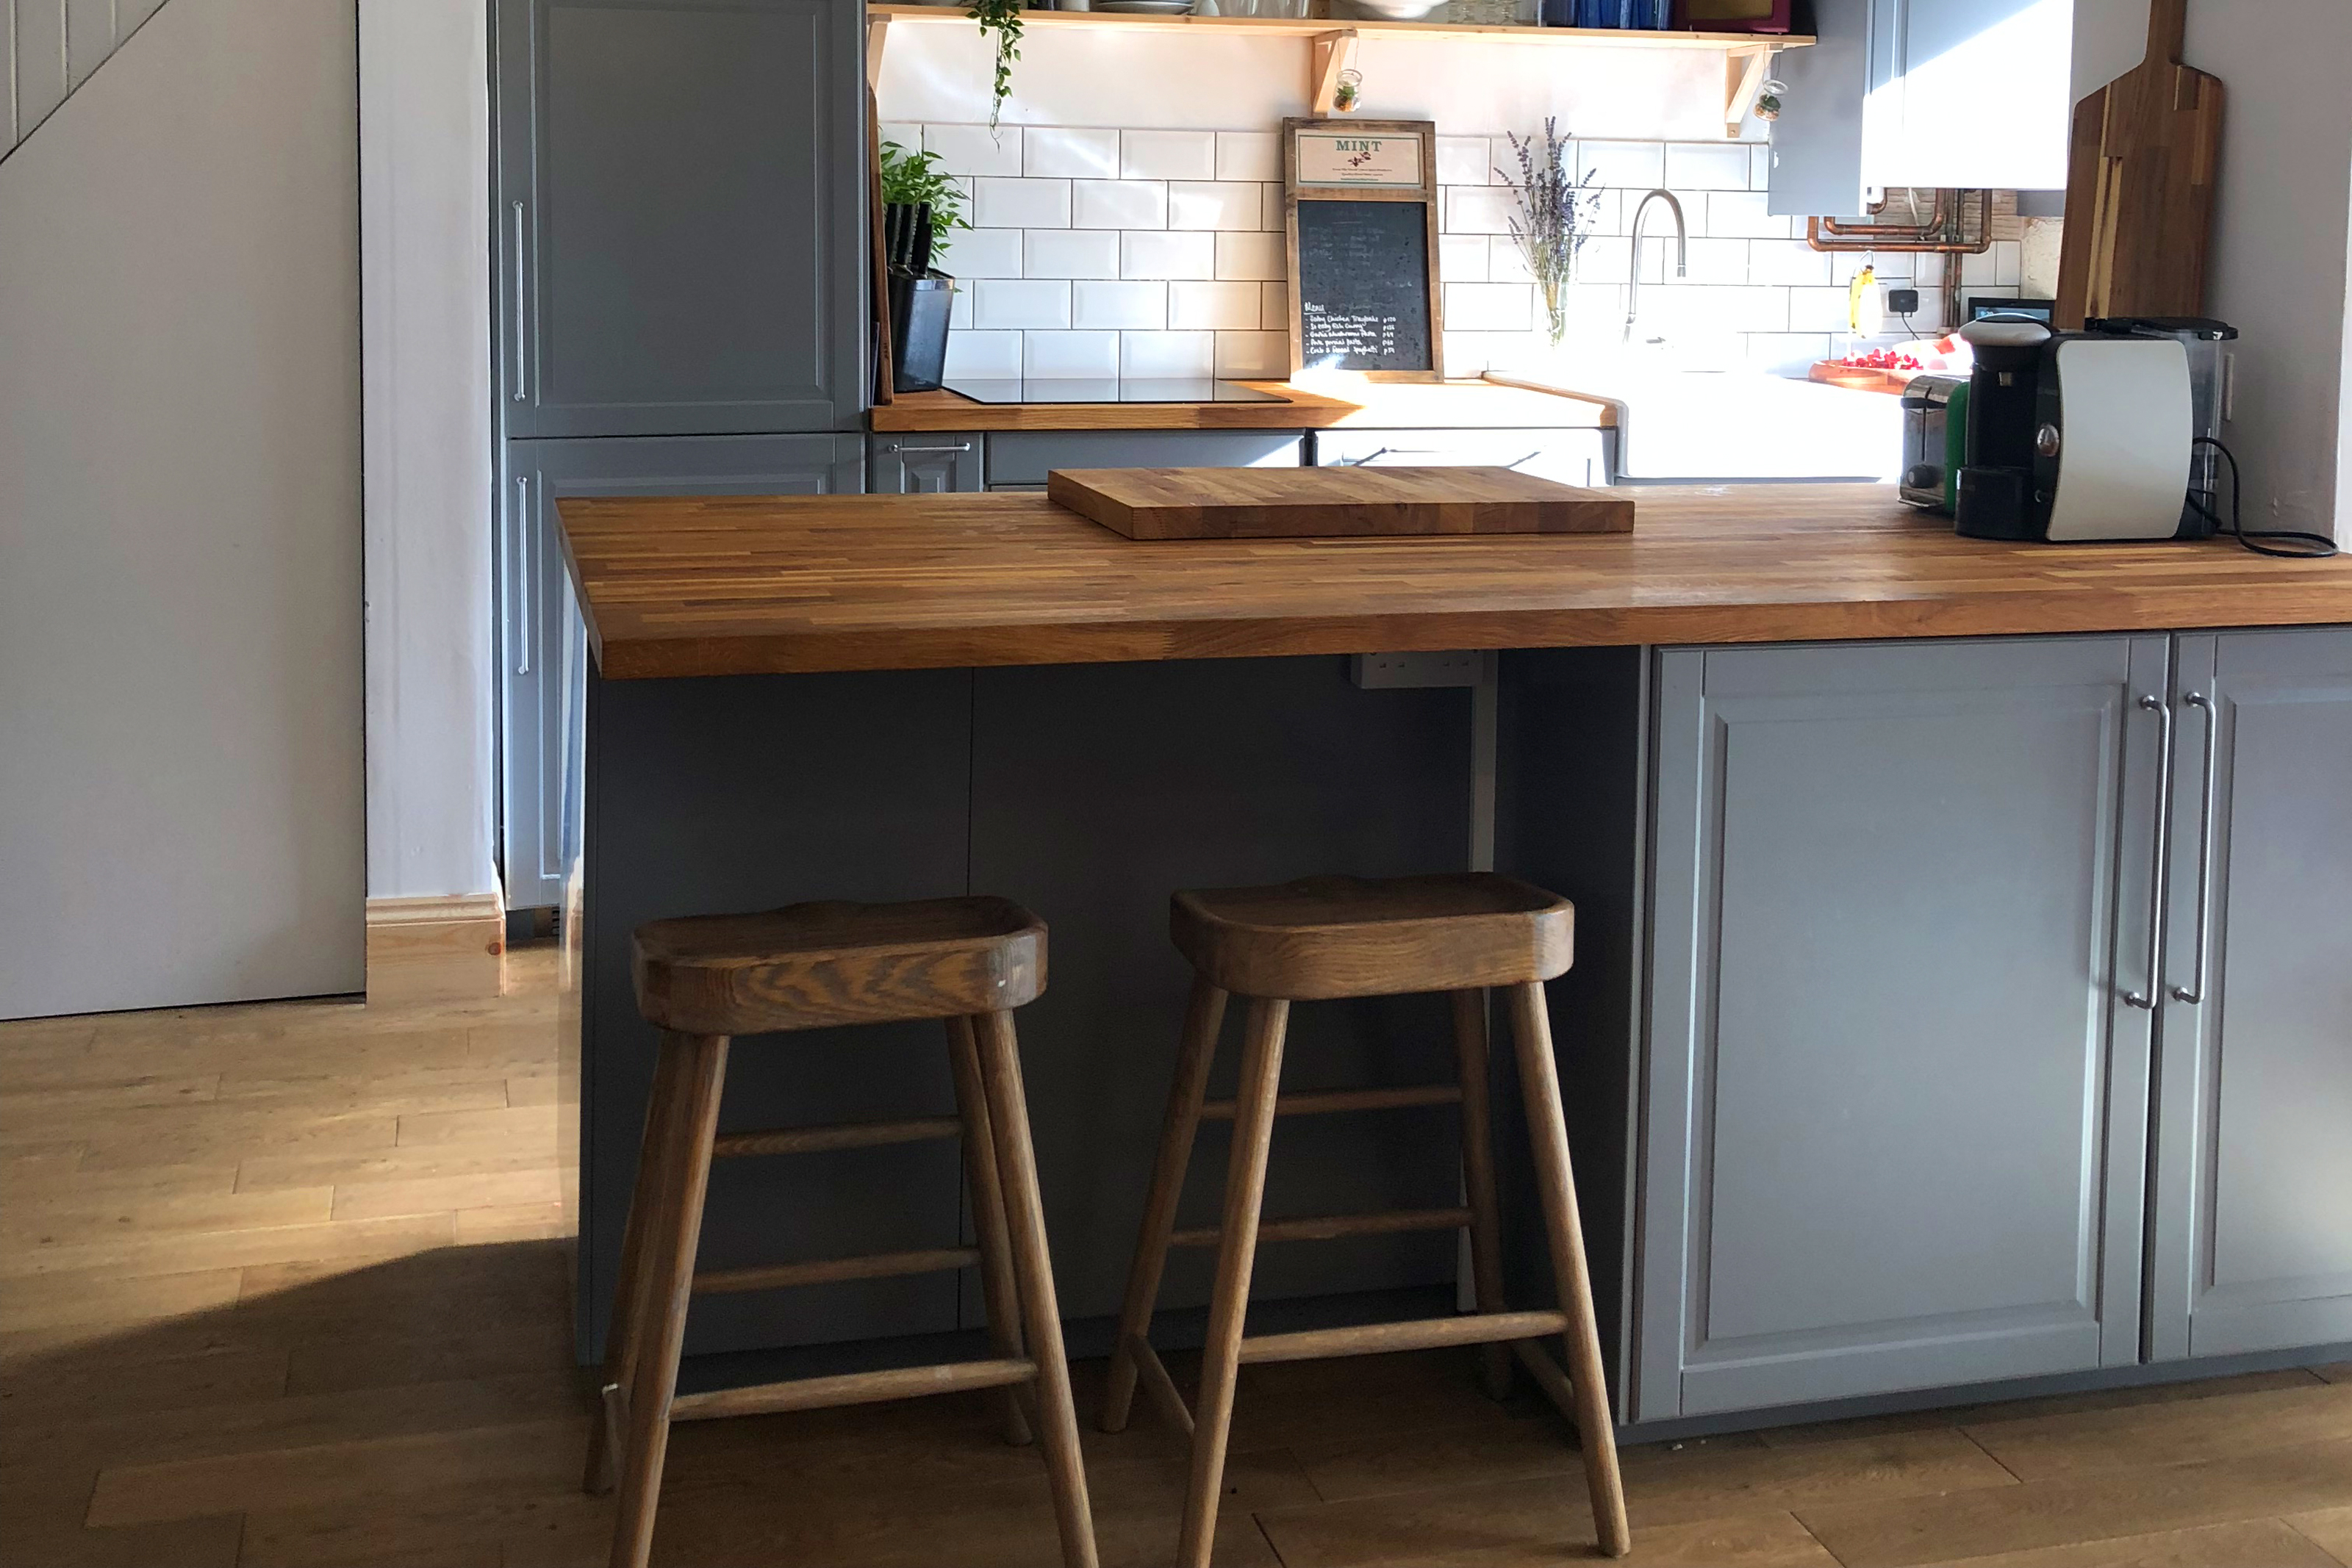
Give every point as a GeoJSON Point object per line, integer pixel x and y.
{"type": "Point", "coordinates": [701, 980]}
{"type": "Point", "coordinates": [1330, 937]}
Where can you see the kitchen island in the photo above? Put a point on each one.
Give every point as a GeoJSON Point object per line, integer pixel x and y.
{"type": "Point", "coordinates": [1892, 852]}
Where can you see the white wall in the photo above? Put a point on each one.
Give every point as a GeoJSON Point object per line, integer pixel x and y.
{"type": "Point", "coordinates": [179, 640]}
{"type": "Point", "coordinates": [2280, 257]}
{"type": "Point", "coordinates": [424, 293]}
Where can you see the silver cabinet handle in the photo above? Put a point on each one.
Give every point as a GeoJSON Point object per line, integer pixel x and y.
{"type": "Point", "coordinates": [525, 527]}
{"type": "Point", "coordinates": [956, 447]}
{"type": "Point", "coordinates": [2193, 993]}
{"type": "Point", "coordinates": [2147, 999]}
{"type": "Point", "coordinates": [522, 306]}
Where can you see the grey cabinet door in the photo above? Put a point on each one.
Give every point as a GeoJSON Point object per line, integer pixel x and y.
{"type": "Point", "coordinates": [1020, 460]}
{"type": "Point", "coordinates": [1895, 1104]}
{"type": "Point", "coordinates": [543, 642]}
{"type": "Point", "coordinates": [1567, 456]}
{"type": "Point", "coordinates": [925, 463]}
{"type": "Point", "coordinates": [680, 216]}
{"type": "Point", "coordinates": [2251, 1244]}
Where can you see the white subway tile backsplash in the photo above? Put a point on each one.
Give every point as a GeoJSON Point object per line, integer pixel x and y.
{"type": "Point", "coordinates": [974, 148]}
{"type": "Point", "coordinates": [1155, 254]}
{"type": "Point", "coordinates": [1479, 209]}
{"type": "Point", "coordinates": [1258, 257]}
{"type": "Point", "coordinates": [1719, 261]}
{"type": "Point", "coordinates": [1820, 310]}
{"type": "Point", "coordinates": [984, 355]}
{"type": "Point", "coordinates": [1462, 258]}
{"type": "Point", "coordinates": [1507, 263]}
{"type": "Point", "coordinates": [1168, 154]}
{"type": "Point", "coordinates": [1464, 160]}
{"type": "Point", "coordinates": [1605, 258]}
{"type": "Point", "coordinates": [1740, 214]}
{"type": "Point", "coordinates": [1687, 310]}
{"type": "Point", "coordinates": [960, 309]}
{"type": "Point", "coordinates": [1489, 307]}
{"type": "Point", "coordinates": [1253, 353]}
{"type": "Point", "coordinates": [1273, 208]}
{"type": "Point", "coordinates": [1053, 151]}
{"type": "Point", "coordinates": [1006, 203]}
{"type": "Point", "coordinates": [1142, 306]}
{"type": "Point", "coordinates": [1641, 165]}
{"type": "Point", "coordinates": [1167, 353]}
{"type": "Point", "coordinates": [2008, 263]}
{"type": "Point", "coordinates": [1069, 353]}
{"type": "Point", "coordinates": [1927, 269]}
{"type": "Point", "coordinates": [1274, 307]}
{"type": "Point", "coordinates": [1787, 261]}
{"type": "Point", "coordinates": [1119, 204]}
{"type": "Point", "coordinates": [907, 134]}
{"type": "Point", "coordinates": [1707, 166]}
{"type": "Point", "coordinates": [982, 252]}
{"type": "Point", "coordinates": [1249, 155]}
{"type": "Point", "coordinates": [1978, 269]}
{"type": "Point", "coordinates": [1213, 307]}
{"type": "Point", "coordinates": [1020, 305]}
{"type": "Point", "coordinates": [1759, 171]}
{"type": "Point", "coordinates": [1470, 353]}
{"type": "Point", "coordinates": [1070, 253]}
{"type": "Point", "coordinates": [1212, 204]}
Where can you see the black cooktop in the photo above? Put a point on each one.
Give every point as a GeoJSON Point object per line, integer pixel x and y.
{"type": "Point", "coordinates": [1111, 388]}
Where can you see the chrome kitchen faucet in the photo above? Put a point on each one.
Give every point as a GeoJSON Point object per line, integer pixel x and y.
{"type": "Point", "coordinates": [1682, 253]}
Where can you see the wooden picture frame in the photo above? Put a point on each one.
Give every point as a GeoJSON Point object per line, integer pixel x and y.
{"type": "Point", "coordinates": [1315, 186]}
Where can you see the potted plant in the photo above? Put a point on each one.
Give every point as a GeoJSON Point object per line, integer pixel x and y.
{"type": "Point", "coordinates": [1001, 18]}
{"type": "Point", "coordinates": [1556, 211]}
{"type": "Point", "coordinates": [921, 209]}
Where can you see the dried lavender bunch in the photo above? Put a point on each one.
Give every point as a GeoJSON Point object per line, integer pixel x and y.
{"type": "Point", "coordinates": [1556, 216]}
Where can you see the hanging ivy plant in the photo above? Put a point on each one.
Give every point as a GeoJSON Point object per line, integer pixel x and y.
{"type": "Point", "coordinates": [1001, 18]}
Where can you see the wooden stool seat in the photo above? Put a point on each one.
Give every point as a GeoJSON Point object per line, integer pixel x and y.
{"type": "Point", "coordinates": [703, 979]}
{"type": "Point", "coordinates": [1329, 936]}
{"type": "Point", "coordinates": [814, 966]}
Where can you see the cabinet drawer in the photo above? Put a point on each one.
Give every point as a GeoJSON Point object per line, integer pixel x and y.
{"type": "Point", "coordinates": [1569, 456]}
{"type": "Point", "coordinates": [1023, 458]}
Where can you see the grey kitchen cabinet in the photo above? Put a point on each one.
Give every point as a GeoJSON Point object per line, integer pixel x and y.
{"type": "Point", "coordinates": [679, 217]}
{"type": "Point", "coordinates": [1927, 94]}
{"type": "Point", "coordinates": [1895, 1110]}
{"type": "Point", "coordinates": [2252, 1241]}
{"type": "Point", "coordinates": [1020, 460]}
{"type": "Point", "coordinates": [924, 463]}
{"type": "Point", "coordinates": [543, 643]}
{"type": "Point", "coordinates": [1569, 456]}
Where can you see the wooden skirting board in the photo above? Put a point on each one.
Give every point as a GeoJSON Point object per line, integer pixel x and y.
{"type": "Point", "coordinates": [435, 949]}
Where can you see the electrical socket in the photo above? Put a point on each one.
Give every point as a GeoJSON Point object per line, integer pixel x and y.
{"type": "Point", "coordinates": [1403, 672]}
{"type": "Point", "coordinates": [1902, 302]}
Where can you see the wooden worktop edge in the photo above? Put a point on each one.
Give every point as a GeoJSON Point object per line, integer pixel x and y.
{"type": "Point", "coordinates": [915, 412]}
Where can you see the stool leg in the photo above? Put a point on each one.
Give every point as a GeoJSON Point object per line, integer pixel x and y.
{"type": "Point", "coordinates": [1016, 1167]}
{"type": "Point", "coordinates": [1203, 1017]}
{"type": "Point", "coordinates": [1478, 1178]}
{"type": "Point", "coordinates": [621, 1336]}
{"type": "Point", "coordinates": [699, 1065]}
{"type": "Point", "coordinates": [1213, 1412]}
{"type": "Point", "coordinates": [1547, 1130]}
{"type": "Point", "coordinates": [996, 1281]}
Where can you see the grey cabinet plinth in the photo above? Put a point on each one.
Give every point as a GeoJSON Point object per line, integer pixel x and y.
{"type": "Point", "coordinates": [1896, 1103]}
{"type": "Point", "coordinates": [2251, 1236]}
{"type": "Point", "coordinates": [927, 463]}
{"type": "Point", "coordinates": [680, 216]}
{"type": "Point", "coordinates": [543, 643]}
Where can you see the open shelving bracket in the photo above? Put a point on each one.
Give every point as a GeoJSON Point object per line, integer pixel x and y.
{"type": "Point", "coordinates": [1743, 78]}
{"type": "Point", "coordinates": [1334, 53]}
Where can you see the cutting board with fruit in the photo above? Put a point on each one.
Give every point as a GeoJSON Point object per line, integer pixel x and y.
{"type": "Point", "coordinates": [1890, 370]}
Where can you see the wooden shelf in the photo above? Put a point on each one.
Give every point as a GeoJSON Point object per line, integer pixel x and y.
{"type": "Point", "coordinates": [1314, 27]}
{"type": "Point", "coordinates": [1334, 41]}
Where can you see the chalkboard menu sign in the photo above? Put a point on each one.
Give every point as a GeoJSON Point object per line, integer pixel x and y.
{"type": "Point", "coordinates": [1363, 229]}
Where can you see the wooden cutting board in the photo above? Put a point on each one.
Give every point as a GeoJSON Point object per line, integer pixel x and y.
{"type": "Point", "coordinates": [2139, 188]}
{"type": "Point", "coordinates": [1333, 503]}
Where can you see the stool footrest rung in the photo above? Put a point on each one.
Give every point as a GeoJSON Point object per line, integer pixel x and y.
{"type": "Point", "coordinates": [1159, 1388]}
{"type": "Point", "coordinates": [1329, 1228]}
{"type": "Point", "coordinates": [834, 1135]}
{"type": "Point", "coordinates": [1418, 1334]}
{"type": "Point", "coordinates": [1326, 1101]}
{"type": "Point", "coordinates": [851, 1389]}
{"type": "Point", "coordinates": [828, 1270]}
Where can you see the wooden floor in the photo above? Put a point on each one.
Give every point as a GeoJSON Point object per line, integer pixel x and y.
{"type": "Point", "coordinates": [284, 1286]}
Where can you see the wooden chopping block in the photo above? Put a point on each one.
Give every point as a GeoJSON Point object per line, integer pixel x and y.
{"type": "Point", "coordinates": [2146, 152]}
{"type": "Point", "coordinates": [1333, 503]}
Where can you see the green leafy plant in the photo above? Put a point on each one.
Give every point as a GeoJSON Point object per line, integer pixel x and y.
{"type": "Point", "coordinates": [1001, 18]}
{"type": "Point", "coordinates": [911, 179]}
{"type": "Point", "coordinates": [1556, 211]}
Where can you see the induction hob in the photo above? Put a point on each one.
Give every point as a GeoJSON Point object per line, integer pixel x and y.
{"type": "Point", "coordinates": [1110, 388]}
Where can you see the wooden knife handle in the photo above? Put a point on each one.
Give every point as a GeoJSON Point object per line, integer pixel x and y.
{"type": "Point", "coordinates": [2168, 31]}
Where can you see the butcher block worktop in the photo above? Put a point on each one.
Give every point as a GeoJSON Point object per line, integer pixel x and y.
{"type": "Point", "coordinates": [1448, 405]}
{"type": "Point", "coordinates": [724, 585]}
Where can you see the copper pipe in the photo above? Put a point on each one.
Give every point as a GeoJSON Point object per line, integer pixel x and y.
{"type": "Point", "coordinates": [1828, 235]}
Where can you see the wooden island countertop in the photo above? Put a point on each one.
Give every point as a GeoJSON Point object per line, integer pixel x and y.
{"type": "Point", "coordinates": [715, 586]}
